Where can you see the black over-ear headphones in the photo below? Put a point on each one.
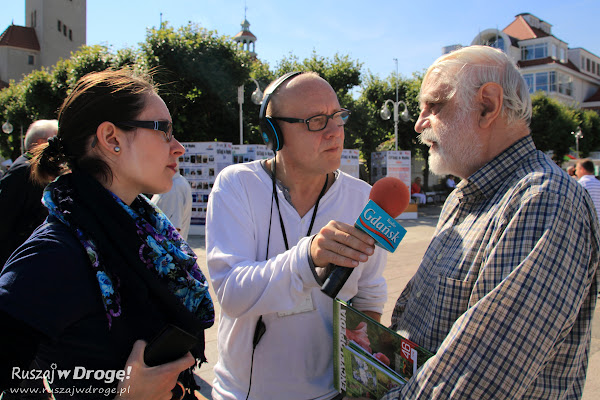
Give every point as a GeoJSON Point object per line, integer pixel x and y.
{"type": "Point", "coordinates": [269, 128]}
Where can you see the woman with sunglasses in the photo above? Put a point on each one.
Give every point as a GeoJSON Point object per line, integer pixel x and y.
{"type": "Point", "coordinates": [106, 272]}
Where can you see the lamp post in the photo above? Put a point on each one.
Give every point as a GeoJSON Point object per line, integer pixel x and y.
{"type": "Point", "coordinates": [578, 135]}
{"type": "Point", "coordinates": [256, 98]}
{"type": "Point", "coordinates": [385, 112]}
{"type": "Point", "coordinates": [7, 127]}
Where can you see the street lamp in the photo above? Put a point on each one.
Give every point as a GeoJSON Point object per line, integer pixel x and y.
{"type": "Point", "coordinates": [578, 135]}
{"type": "Point", "coordinates": [385, 111]}
{"type": "Point", "coordinates": [256, 98]}
{"type": "Point", "coordinates": [7, 127]}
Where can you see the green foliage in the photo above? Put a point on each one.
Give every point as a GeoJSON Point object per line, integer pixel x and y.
{"type": "Point", "coordinates": [552, 123]}
{"type": "Point", "coordinates": [198, 73]}
{"type": "Point", "coordinates": [342, 73]}
{"type": "Point", "coordinates": [590, 128]}
{"type": "Point", "coordinates": [13, 110]}
{"type": "Point", "coordinates": [40, 98]}
{"type": "Point", "coordinates": [372, 133]}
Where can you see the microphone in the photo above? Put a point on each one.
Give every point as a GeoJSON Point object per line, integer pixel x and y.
{"type": "Point", "coordinates": [388, 198]}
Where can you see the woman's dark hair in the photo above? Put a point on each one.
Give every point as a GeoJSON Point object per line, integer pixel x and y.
{"type": "Point", "coordinates": [111, 95]}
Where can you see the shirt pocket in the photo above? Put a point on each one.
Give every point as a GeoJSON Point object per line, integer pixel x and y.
{"type": "Point", "coordinates": [451, 301]}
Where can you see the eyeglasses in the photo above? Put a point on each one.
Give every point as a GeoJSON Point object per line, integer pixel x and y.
{"type": "Point", "coordinates": [166, 127]}
{"type": "Point", "coordinates": [319, 122]}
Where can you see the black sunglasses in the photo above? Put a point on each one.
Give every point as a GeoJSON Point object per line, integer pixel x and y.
{"type": "Point", "coordinates": [319, 122]}
{"type": "Point", "coordinates": [166, 127]}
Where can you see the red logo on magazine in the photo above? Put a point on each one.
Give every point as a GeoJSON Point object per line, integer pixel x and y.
{"type": "Point", "coordinates": [407, 349]}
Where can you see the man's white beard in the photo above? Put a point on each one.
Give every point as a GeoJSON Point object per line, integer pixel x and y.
{"type": "Point", "coordinates": [458, 153]}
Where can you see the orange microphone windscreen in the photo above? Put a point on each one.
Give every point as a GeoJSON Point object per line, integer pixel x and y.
{"type": "Point", "coordinates": [391, 194]}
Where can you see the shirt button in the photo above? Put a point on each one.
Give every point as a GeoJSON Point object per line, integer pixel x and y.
{"type": "Point", "coordinates": [439, 257]}
{"type": "Point", "coordinates": [418, 294]}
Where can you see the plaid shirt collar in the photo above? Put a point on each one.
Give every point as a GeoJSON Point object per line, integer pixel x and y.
{"type": "Point", "coordinates": [484, 183]}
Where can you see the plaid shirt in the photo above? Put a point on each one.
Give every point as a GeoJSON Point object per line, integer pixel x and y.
{"type": "Point", "coordinates": [506, 291]}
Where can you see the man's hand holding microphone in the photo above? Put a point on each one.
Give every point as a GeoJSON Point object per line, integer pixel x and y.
{"type": "Point", "coordinates": [339, 247]}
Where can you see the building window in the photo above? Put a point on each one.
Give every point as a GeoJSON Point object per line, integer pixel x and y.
{"type": "Point", "coordinates": [64, 30]}
{"type": "Point", "coordinates": [547, 82]}
{"type": "Point", "coordinates": [552, 81]}
{"type": "Point", "coordinates": [70, 35]}
{"type": "Point", "coordinates": [529, 81]}
{"type": "Point", "coordinates": [495, 42]}
{"type": "Point", "coordinates": [30, 60]}
{"type": "Point", "coordinates": [534, 51]}
{"type": "Point", "coordinates": [541, 81]}
{"type": "Point", "coordinates": [565, 84]}
{"type": "Point", "coordinates": [59, 25]}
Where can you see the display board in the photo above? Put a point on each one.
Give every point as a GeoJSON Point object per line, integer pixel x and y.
{"type": "Point", "coordinates": [391, 163]}
{"type": "Point", "coordinates": [200, 165]}
{"type": "Point", "coordinates": [350, 163]}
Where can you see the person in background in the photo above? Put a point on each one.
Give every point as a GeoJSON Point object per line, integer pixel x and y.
{"type": "Point", "coordinates": [20, 197]}
{"type": "Point", "coordinates": [106, 272]}
{"type": "Point", "coordinates": [274, 230]}
{"type": "Point", "coordinates": [506, 291]}
{"type": "Point", "coordinates": [176, 204]}
{"type": "Point", "coordinates": [416, 191]}
{"type": "Point", "coordinates": [584, 170]}
{"type": "Point", "coordinates": [571, 171]}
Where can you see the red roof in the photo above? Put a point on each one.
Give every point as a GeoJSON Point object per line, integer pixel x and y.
{"type": "Point", "coordinates": [521, 30]}
{"type": "Point", "coordinates": [245, 34]}
{"type": "Point", "coordinates": [20, 36]}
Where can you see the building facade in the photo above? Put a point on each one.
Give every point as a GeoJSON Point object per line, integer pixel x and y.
{"type": "Point", "coordinates": [54, 29]}
{"type": "Point", "coordinates": [570, 75]}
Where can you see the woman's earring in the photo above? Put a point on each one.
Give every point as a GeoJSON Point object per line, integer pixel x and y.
{"type": "Point", "coordinates": [117, 149]}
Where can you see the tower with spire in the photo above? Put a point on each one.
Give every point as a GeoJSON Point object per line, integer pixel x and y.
{"type": "Point", "coordinates": [245, 38]}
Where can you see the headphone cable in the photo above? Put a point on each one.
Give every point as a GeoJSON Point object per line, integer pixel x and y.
{"type": "Point", "coordinates": [259, 331]}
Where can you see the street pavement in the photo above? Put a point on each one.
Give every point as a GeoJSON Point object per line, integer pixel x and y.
{"type": "Point", "coordinates": [401, 266]}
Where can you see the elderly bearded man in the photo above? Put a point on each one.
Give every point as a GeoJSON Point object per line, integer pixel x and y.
{"type": "Point", "coordinates": [506, 291]}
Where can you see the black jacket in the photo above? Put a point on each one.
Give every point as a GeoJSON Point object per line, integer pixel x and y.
{"type": "Point", "coordinates": [21, 207]}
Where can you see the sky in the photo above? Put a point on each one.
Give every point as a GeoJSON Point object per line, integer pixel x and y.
{"type": "Point", "coordinates": [372, 32]}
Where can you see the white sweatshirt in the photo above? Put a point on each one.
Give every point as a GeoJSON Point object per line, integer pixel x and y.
{"type": "Point", "coordinates": [294, 359]}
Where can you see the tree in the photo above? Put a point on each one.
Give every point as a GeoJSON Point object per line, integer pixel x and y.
{"type": "Point", "coordinates": [198, 72]}
{"type": "Point", "coordinates": [551, 125]}
{"type": "Point", "coordinates": [342, 73]}
{"type": "Point", "coordinates": [371, 133]}
{"type": "Point", "coordinates": [13, 111]}
{"type": "Point", "coordinates": [590, 127]}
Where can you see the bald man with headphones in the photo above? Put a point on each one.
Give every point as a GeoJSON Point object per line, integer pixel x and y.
{"type": "Point", "coordinates": [274, 230]}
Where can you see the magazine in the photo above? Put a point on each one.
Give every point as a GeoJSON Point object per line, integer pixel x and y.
{"type": "Point", "coordinates": [367, 377]}
{"type": "Point", "coordinates": [398, 357]}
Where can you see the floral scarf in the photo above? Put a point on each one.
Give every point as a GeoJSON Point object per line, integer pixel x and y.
{"type": "Point", "coordinates": [137, 237]}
